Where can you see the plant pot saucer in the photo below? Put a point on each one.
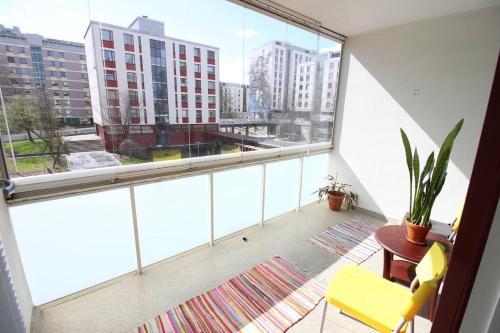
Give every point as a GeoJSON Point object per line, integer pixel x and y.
{"type": "Point", "coordinates": [424, 243]}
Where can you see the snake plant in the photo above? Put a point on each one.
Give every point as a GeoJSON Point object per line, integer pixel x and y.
{"type": "Point", "coordinates": [425, 186]}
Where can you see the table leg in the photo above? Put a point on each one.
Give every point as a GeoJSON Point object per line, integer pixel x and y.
{"type": "Point", "coordinates": [434, 301]}
{"type": "Point", "coordinates": [387, 264]}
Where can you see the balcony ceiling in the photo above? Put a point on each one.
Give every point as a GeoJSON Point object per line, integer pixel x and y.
{"type": "Point", "coordinates": [352, 18]}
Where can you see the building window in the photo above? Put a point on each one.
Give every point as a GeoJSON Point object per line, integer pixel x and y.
{"type": "Point", "coordinates": [211, 69]}
{"type": "Point", "coordinates": [82, 56]}
{"type": "Point", "coordinates": [60, 54]}
{"type": "Point", "coordinates": [108, 55]}
{"type": "Point", "coordinates": [131, 77]}
{"type": "Point", "coordinates": [11, 60]}
{"type": "Point", "coordinates": [111, 94]}
{"type": "Point", "coordinates": [210, 55]}
{"type": "Point", "coordinates": [211, 85]}
{"type": "Point", "coordinates": [183, 82]}
{"type": "Point", "coordinates": [21, 50]}
{"type": "Point", "coordinates": [62, 74]}
{"type": "Point", "coordinates": [128, 39]}
{"type": "Point", "coordinates": [182, 49]}
{"type": "Point", "coordinates": [23, 61]}
{"type": "Point", "coordinates": [197, 68]}
{"type": "Point", "coordinates": [50, 53]}
{"type": "Point", "coordinates": [84, 76]}
{"type": "Point", "coordinates": [9, 48]}
{"type": "Point", "coordinates": [133, 95]}
{"type": "Point", "coordinates": [129, 58]}
{"type": "Point", "coordinates": [211, 99]}
{"type": "Point", "coordinates": [198, 113]}
{"type": "Point", "coordinates": [198, 99]}
{"type": "Point", "coordinates": [182, 65]}
{"type": "Point", "coordinates": [107, 35]}
{"type": "Point", "coordinates": [110, 75]}
{"type": "Point", "coordinates": [197, 52]}
{"type": "Point", "coordinates": [83, 67]}
{"type": "Point", "coordinates": [197, 84]}
{"type": "Point", "coordinates": [52, 73]}
{"type": "Point", "coordinates": [184, 98]}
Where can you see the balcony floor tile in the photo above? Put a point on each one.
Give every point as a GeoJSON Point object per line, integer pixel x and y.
{"type": "Point", "coordinates": [124, 305]}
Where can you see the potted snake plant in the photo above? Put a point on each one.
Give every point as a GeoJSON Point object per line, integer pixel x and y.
{"type": "Point", "coordinates": [425, 186]}
{"type": "Point", "coordinates": [336, 193]}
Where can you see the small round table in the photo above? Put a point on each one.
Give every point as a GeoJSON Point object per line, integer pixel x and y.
{"type": "Point", "coordinates": [393, 239]}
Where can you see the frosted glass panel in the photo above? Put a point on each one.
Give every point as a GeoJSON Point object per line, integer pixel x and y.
{"type": "Point", "coordinates": [313, 176]}
{"type": "Point", "coordinates": [172, 216]}
{"type": "Point", "coordinates": [237, 199]}
{"type": "Point", "coordinates": [73, 243]}
{"type": "Point", "coordinates": [282, 179]}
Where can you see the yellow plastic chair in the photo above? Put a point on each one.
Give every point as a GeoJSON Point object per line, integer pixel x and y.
{"type": "Point", "coordinates": [456, 223]}
{"type": "Point", "coordinates": [379, 303]}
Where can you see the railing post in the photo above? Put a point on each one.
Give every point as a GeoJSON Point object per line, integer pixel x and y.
{"type": "Point", "coordinates": [211, 191]}
{"type": "Point", "coordinates": [136, 230]}
{"type": "Point", "coordinates": [299, 187]}
{"type": "Point", "coordinates": [263, 194]}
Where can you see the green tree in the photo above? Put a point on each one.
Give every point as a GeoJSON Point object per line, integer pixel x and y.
{"type": "Point", "coordinates": [22, 116]}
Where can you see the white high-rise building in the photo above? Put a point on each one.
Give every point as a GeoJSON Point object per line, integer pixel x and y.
{"type": "Point", "coordinates": [139, 76]}
{"type": "Point", "coordinates": [273, 77]}
{"type": "Point", "coordinates": [233, 99]}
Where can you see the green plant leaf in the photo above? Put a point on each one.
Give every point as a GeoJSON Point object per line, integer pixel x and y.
{"type": "Point", "coordinates": [406, 144]}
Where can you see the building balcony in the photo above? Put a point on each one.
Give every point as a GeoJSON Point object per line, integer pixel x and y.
{"type": "Point", "coordinates": [198, 105]}
{"type": "Point", "coordinates": [211, 91]}
{"type": "Point", "coordinates": [197, 59]}
{"type": "Point", "coordinates": [132, 85]}
{"type": "Point", "coordinates": [184, 105]}
{"type": "Point", "coordinates": [129, 47]}
{"type": "Point", "coordinates": [135, 120]}
{"type": "Point", "coordinates": [199, 120]}
{"type": "Point", "coordinates": [130, 67]}
{"type": "Point", "coordinates": [211, 119]}
{"type": "Point", "coordinates": [183, 72]}
{"type": "Point", "coordinates": [109, 64]}
{"type": "Point", "coordinates": [197, 75]}
{"type": "Point", "coordinates": [134, 102]}
{"type": "Point", "coordinates": [113, 102]}
{"type": "Point", "coordinates": [108, 44]}
{"type": "Point", "coordinates": [184, 89]}
{"type": "Point", "coordinates": [211, 76]}
{"type": "Point", "coordinates": [197, 90]}
{"type": "Point", "coordinates": [185, 120]}
{"type": "Point", "coordinates": [211, 105]}
{"type": "Point", "coordinates": [182, 56]}
{"type": "Point", "coordinates": [111, 83]}
{"type": "Point", "coordinates": [211, 61]}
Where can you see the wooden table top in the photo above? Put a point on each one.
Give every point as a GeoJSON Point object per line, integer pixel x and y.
{"type": "Point", "coordinates": [393, 239]}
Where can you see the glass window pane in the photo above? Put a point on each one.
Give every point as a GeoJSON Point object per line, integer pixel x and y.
{"type": "Point", "coordinates": [281, 187]}
{"type": "Point", "coordinates": [237, 196]}
{"type": "Point", "coordinates": [172, 216]}
{"type": "Point", "coordinates": [313, 176]}
{"type": "Point", "coordinates": [73, 243]}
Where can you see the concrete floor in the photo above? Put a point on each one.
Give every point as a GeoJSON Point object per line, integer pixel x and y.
{"type": "Point", "coordinates": [123, 306]}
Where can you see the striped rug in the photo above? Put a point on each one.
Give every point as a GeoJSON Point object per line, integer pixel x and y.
{"type": "Point", "coordinates": [352, 239]}
{"type": "Point", "coordinates": [270, 297]}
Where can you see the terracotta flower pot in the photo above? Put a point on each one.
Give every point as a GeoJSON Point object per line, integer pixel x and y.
{"type": "Point", "coordinates": [416, 234]}
{"type": "Point", "coordinates": [335, 201]}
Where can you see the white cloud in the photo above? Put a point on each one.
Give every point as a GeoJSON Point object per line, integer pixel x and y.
{"type": "Point", "coordinates": [245, 33]}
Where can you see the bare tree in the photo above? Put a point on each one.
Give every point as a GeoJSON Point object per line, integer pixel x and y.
{"type": "Point", "coordinates": [49, 131]}
{"type": "Point", "coordinates": [22, 116]}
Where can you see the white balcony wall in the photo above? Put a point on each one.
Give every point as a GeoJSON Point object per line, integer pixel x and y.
{"type": "Point", "coordinates": [172, 216]}
{"type": "Point", "coordinates": [73, 243]}
{"type": "Point", "coordinates": [423, 77]}
{"type": "Point", "coordinates": [282, 180]}
{"type": "Point", "coordinates": [237, 199]}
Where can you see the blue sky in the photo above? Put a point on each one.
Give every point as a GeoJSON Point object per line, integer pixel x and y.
{"type": "Point", "coordinates": [214, 22]}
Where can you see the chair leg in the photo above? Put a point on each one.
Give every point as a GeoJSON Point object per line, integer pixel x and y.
{"type": "Point", "coordinates": [323, 318]}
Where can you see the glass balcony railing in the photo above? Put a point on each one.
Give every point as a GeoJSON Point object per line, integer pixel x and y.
{"type": "Point", "coordinates": [70, 243]}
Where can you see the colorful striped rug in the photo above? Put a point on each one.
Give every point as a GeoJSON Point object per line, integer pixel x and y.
{"type": "Point", "coordinates": [270, 297]}
{"type": "Point", "coordinates": [352, 239]}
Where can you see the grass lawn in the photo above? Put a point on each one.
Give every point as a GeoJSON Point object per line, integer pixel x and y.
{"type": "Point", "coordinates": [129, 161]}
{"type": "Point", "coordinates": [229, 149]}
{"type": "Point", "coordinates": [35, 164]}
{"type": "Point", "coordinates": [165, 155]}
{"type": "Point", "coordinates": [25, 146]}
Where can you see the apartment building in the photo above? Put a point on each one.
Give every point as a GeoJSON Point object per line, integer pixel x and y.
{"type": "Point", "coordinates": [158, 86]}
{"type": "Point", "coordinates": [273, 77]}
{"type": "Point", "coordinates": [30, 64]}
{"type": "Point", "coordinates": [234, 100]}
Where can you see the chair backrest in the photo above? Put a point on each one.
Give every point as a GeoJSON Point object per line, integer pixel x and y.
{"type": "Point", "coordinates": [456, 224]}
{"type": "Point", "coordinates": [430, 269]}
